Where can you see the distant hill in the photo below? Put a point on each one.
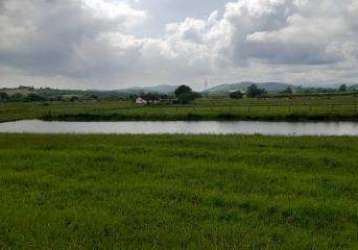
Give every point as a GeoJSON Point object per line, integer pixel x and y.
{"type": "Point", "coordinates": [49, 92]}
{"type": "Point", "coordinates": [354, 87]}
{"type": "Point", "coordinates": [20, 90]}
{"type": "Point", "coordinates": [224, 89]}
{"type": "Point", "coordinates": [159, 89]}
{"type": "Point", "coordinates": [220, 90]}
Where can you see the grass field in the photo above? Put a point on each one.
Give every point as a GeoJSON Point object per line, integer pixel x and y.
{"type": "Point", "coordinates": [178, 192]}
{"type": "Point", "coordinates": [297, 108]}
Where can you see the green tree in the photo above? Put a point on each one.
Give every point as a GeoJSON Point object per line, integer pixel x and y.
{"type": "Point", "coordinates": [236, 95]}
{"type": "Point", "coordinates": [183, 89]}
{"type": "Point", "coordinates": [35, 98]}
{"type": "Point", "coordinates": [185, 94]}
{"type": "Point", "coordinates": [288, 91]}
{"type": "Point", "coordinates": [74, 99]}
{"type": "Point", "coordinates": [254, 91]}
{"type": "Point", "coordinates": [4, 96]}
{"type": "Point", "coordinates": [18, 97]}
{"type": "Point", "coordinates": [343, 88]}
{"type": "Point", "coordinates": [187, 98]}
{"type": "Point", "coordinates": [94, 97]}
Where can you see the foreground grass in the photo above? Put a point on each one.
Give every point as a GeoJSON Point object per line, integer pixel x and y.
{"type": "Point", "coordinates": [291, 109]}
{"type": "Point", "coordinates": [175, 192]}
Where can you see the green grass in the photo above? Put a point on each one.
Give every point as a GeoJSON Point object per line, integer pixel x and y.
{"type": "Point", "coordinates": [292, 109]}
{"type": "Point", "coordinates": [178, 192]}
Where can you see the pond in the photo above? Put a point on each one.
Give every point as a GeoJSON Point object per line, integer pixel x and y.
{"type": "Point", "coordinates": [182, 127]}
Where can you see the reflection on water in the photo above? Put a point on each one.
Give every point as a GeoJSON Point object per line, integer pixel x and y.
{"type": "Point", "coordinates": [180, 127]}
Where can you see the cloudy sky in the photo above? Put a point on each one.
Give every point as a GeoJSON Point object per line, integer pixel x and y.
{"type": "Point", "coordinates": [112, 44]}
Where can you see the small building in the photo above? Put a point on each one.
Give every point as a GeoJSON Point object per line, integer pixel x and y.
{"type": "Point", "coordinates": [154, 100]}
{"type": "Point", "coordinates": [141, 101]}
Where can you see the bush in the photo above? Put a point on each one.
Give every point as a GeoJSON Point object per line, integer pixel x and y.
{"type": "Point", "coordinates": [187, 98]}
{"type": "Point", "coordinates": [343, 88]}
{"type": "Point", "coordinates": [287, 91]}
{"type": "Point", "coordinates": [183, 90]}
{"type": "Point", "coordinates": [74, 99]}
{"type": "Point", "coordinates": [254, 91]}
{"type": "Point", "coordinates": [236, 95]}
{"type": "Point", "coordinates": [34, 98]}
{"type": "Point", "coordinates": [185, 94]}
{"type": "Point", "coordinates": [4, 96]}
{"type": "Point", "coordinates": [17, 97]}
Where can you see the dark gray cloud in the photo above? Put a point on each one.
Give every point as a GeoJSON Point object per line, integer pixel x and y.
{"type": "Point", "coordinates": [61, 37]}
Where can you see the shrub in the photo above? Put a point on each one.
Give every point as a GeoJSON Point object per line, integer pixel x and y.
{"type": "Point", "coordinates": [343, 88]}
{"type": "Point", "coordinates": [183, 90]}
{"type": "Point", "coordinates": [236, 95]}
{"type": "Point", "coordinates": [34, 98]}
{"type": "Point", "coordinates": [4, 96]}
{"type": "Point", "coordinates": [254, 91]}
{"type": "Point", "coordinates": [188, 97]}
{"type": "Point", "coordinates": [287, 91]}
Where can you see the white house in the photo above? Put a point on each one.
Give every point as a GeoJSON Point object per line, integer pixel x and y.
{"type": "Point", "coordinates": [141, 101]}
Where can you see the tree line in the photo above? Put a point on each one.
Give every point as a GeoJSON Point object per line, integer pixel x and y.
{"type": "Point", "coordinates": [254, 91]}
{"type": "Point", "coordinates": [182, 95]}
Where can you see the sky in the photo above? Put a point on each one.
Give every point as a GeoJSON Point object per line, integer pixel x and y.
{"type": "Point", "coordinates": [115, 44]}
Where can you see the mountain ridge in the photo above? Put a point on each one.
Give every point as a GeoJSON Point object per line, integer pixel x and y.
{"type": "Point", "coordinates": [242, 86]}
{"type": "Point", "coordinates": [159, 89]}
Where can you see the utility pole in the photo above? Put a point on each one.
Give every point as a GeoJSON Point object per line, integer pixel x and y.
{"type": "Point", "coordinates": [206, 84]}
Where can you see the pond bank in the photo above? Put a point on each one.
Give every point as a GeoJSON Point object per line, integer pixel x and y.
{"type": "Point", "coordinates": [184, 127]}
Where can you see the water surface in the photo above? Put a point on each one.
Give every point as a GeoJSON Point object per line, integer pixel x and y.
{"type": "Point", "coordinates": [182, 127]}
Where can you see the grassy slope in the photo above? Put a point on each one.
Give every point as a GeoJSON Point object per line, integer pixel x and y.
{"type": "Point", "coordinates": [300, 108]}
{"type": "Point", "coordinates": [165, 192]}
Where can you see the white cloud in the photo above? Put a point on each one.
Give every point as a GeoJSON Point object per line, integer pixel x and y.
{"type": "Point", "coordinates": [115, 11]}
{"type": "Point", "coordinates": [105, 43]}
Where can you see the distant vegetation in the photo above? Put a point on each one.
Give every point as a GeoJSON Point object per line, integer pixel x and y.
{"type": "Point", "coordinates": [29, 94]}
{"type": "Point", "coordinates": [236, 94]}
{"type": "Point", "coordinates": [186, 95]}
{"type": "Point", "coordinates": [288, 91]}
{"type": "Point", "coordinates": [226, 89]}
{"type": "Point", "coordinates": [255, 103]}
{"type": "Point", "coordinates": [254, 91]}
{"type": "Point", "coordinates": [178, 192]}
{"type": "Point", "coordinates": [279, 108]}
{"type": "Point", "coordinates": [247, 89]}
{"type": "Point", "coordinates": [276, 88]}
